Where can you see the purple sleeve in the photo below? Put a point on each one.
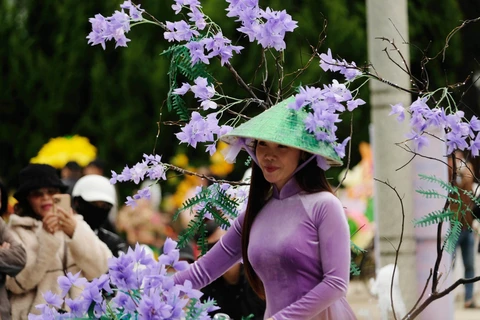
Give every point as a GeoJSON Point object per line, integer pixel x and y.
{"type": "Point", "coordinates": [224, 254]}
{"type": "Point", "coordinates": [334, 242]}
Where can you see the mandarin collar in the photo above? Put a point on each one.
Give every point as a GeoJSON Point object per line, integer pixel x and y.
{"type": "Point", "coordinates": [289, 189]}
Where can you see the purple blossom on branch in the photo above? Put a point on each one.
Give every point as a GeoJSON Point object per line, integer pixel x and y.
{"type": "Point", "coordinates": [114, 27]}
{"type": "Point", "coordinates": [135, 294]}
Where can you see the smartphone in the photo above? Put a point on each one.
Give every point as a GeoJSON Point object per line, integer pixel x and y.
{"type": "Point", "coordinates": [63, 201]}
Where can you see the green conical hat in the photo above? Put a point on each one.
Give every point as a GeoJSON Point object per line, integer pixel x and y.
{"type": "Point", "coordinates": [285, 126]}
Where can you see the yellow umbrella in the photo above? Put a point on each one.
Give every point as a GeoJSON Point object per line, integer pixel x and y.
{"type": "Point", "coordinates": [58, 151]}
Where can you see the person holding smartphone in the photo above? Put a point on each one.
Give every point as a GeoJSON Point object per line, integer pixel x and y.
{"type": "Point", "coordinates": [56, 240]}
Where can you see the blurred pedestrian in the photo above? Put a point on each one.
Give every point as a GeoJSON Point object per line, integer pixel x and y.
{"type": "Point", "coordinates": [12, 261]}
{"type": "Point", "coordinates": [56, 240]}
{"type": "Point", "coordinates": [96, 166]}
{"type": "Point", "coordinates": [3, 200]}
{"type": "Point", "coordinates": [94, 197]}
{"type": "Point", "coordinates": [466, 241]}
{"type": "Point", "coordinates": [70, 173]}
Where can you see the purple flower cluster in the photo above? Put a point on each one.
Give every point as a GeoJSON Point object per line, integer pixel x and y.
{"type": "Point", "coordinates": [206, 47]}
{"type": "Point", "coordinates": [462, 135]}
{"type": "Point", "coordinates": [151, 167]}
{"type": "Point", "coordinates": [324, 107]}
{"type": "Point", "coordinates": [349, 70]}
{"type": "Point", "coordinates": [267, 27]}
{"type": "Point", "coordinates": [201, 129]}
{"type": "Point", "coordinates": [114, 27]}
{"type": "Point", "coordinates": [141, 288]}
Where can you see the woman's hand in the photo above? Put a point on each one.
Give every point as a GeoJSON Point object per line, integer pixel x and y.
{"type": "Point", "coordinates": [50, 223]}
{"type": "Point", "coordinates": [66, 221]}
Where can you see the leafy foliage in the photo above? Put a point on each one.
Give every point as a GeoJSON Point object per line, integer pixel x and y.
{"type": "Point", "coordinates": [434, 217]}
{"type": "Point", "coordinates": [212, 202]}
{"type": "Point", "coordinates": [452, 236]}
{"type": "Point", "coordinates": [180, 63]}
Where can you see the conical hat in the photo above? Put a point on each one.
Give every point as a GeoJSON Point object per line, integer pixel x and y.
{"type": "Point", "coordinates": [285, 126]}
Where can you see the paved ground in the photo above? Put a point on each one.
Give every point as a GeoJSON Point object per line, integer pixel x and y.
{"type": "Point", "coordinates": [365, 305]}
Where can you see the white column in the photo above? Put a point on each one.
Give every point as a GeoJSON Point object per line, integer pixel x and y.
{"type": "Point", "coordinates": [389, 19]}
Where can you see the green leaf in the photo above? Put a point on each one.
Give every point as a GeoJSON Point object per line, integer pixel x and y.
{"type": "Point", "coordinates": [434, 218]}
{"type": "Point", "coordinates": [451, 238]}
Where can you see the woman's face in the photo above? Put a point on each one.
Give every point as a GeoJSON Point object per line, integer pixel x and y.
{"type": "Point", "coordinates": [278, 162]}
{"type": "Point", "coordinates": [41, 200]}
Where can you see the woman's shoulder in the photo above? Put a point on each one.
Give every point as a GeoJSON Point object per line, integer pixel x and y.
{"type": "Point", "coordinates": [16, 221]}
{"type": "Point", "coordinates": [321, 202]}
{"type": "Point", "coordinates": [321, 197]}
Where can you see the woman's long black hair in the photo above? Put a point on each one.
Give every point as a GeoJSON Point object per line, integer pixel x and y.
{"type": "Point", "coordinates": [311, 179]}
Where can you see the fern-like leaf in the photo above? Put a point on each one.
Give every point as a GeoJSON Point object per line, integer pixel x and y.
{"type": "Point", "coordinates": [452, 236]}
{"type": "Point", "coordinates": [354, 269]}
{"type": "Point", "coordinates": [434, 217]}
{"type": "Point", "coordinates": [198, 199]}
{"type": "Point", "coordinates": [444, 185]}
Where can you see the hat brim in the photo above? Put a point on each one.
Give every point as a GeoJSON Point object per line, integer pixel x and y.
{"type": "Point", "coordinates": [97, 196]}
{"type": "Point", "coordinates": [24, 190]}
{"type": "Point", "coordinates": [285, 126]}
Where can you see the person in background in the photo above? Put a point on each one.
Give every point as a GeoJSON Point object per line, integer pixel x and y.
{"type": "Point", "coordinates": [3, 201]}
{"type": "Point", "coordinates": [12, 261]}
{"type": "Point", "coordinates": [93, 198]}
{"type": "Point", "coordinates": [70, 173]}
{"type": "Point", "coordinates": [56, 241]}
{"type": "Point", "coordinates": [465, 180]}
{"type": "Point", "coordinates": [96, 166]}
{"type": "Point", "coordinates": [144, 223]}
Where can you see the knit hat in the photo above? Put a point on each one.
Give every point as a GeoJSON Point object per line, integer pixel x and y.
{"type": "Point", "coordinates": [94, 187]}
{"type": "Point", "coordinates": [281, 125]}
{"type": "Point", "coordinates": [36, 176]}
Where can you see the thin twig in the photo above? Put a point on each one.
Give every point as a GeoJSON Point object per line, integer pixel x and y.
{"type": "Point", "coordinates": [397, 251]}
{"type": "Point", "coordinates": [211, 179]}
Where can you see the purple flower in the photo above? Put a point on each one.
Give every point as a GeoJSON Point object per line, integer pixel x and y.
{"type": "Point", "coordinates": [340, 148]}
{"type": "Point", "coordinates": [78, 306]}
{"type": "Point", "coordinates": [169, 246]}
{"type": "Point", "coordinates": [157, 172]}
{"type": "Point", "coordinates": [475, 124]}
{"type": "Point", "coordinates": [198, 18]}
{"type": "Point", "coordinates": [125, 301]}
{"type": "Point", "coordinates": [208, 104]}
{"type": "Point", "coordinates": [138, 172]}
{"type": "Point", "coordinates": [419, 141]}
{"type": "Point", "coordinates": [211, 148]}
{"type": "Point", "coordinates": [182, 90]}
{"type": "Point", "coordinates": [66, 282]}
{"type": "Point", "coordinates": [51, 300]}
{"type": "Point", "coordinates": [154, 308]}
{"type": "Point", "coordinates": [399, 110]}
{"type": "Point", "coordinates": [131, 202]}
{"type": "Point", "coordinates": [143, 193]}
{"type": "Point", "coordinates": [134, 10]}
{"type": "Point", "coordinates": [475, 146]}
{"type": "Point", "coordinates": [113, 180]}
{"type": "Point", "coordinates": [202, 90]}
{"type": "Point", "coordinates": [122, 273]}
{"type": "Point", "coordinates": [91, 293]}
{"type": "Point", "coordinates": [353, 104]}
{"type": "Point", "coordinates": [189, 291]}
{"type": "Point", "coordinates": [455, 140]}
{"type": "Point", "coordinates": [197, 52]}
{"type": "Point", "coordinates": [179, 31]}
{"type": "Point", "coordinates": [327, 63]}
